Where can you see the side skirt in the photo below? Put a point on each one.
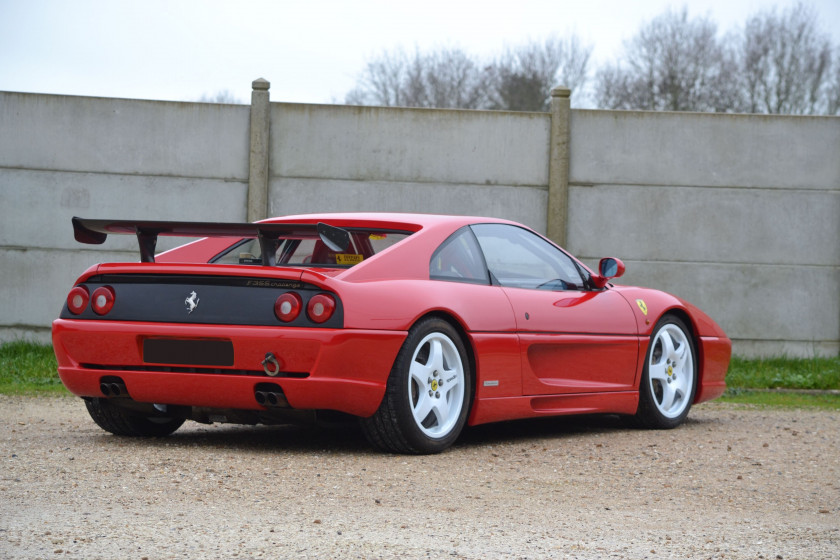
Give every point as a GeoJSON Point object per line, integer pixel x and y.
{"type": "Point", "coordinates": [512, 408]}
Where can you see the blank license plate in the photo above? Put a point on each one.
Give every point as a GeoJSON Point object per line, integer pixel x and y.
{"type": "Point", "coordinates": [188, 352]}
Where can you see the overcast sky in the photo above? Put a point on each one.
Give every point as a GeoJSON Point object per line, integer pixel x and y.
{"type": "Point", "coordinates": [310, 51]}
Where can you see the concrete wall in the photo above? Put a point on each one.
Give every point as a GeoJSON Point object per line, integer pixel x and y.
{"type": "Point", "coordinates": [340, 158]}
{"type": "Point", "coordinates": [75, 156]}
{"type": "Point", "coordinates": [738, 214]}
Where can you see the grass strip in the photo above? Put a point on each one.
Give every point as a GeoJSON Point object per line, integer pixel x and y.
{"type": "Point", "coordinates": [784, 373]}
{"type": "Point", "coordinates": [782, 399]}
{"type": "Point", "coordinates": [28, 368]}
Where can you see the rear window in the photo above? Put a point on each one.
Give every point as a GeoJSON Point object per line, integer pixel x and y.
{"type": "Point", "coordinates": [311, 251]}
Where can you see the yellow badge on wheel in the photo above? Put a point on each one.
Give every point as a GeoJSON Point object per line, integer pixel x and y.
{"type": "Point", "coordinates": [642, 305]}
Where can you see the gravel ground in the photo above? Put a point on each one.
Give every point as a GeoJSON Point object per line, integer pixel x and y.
{"type": "Point", "coordinates": [733, 482]}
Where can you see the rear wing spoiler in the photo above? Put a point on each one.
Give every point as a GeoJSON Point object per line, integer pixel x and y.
{"type": "Point", "coordinates": [95, 232]}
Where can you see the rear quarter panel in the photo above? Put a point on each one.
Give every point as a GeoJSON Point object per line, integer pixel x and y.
{"type": "Point", "coordinates": [482, 313]}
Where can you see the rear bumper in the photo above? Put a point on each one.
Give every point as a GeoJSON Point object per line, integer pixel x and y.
{"type": "Point", "coordinates": [334, 369]}
{"type": "Point", "coordinates": [715, 353]}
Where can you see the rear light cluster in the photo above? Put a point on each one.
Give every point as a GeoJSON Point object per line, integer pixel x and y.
{"type": "Point", "coordinates": [319, 309]}
{"type": "Point", "coordinates": [288, 306]}
{"type": "Point", "coordinates": [77, 299]}
{"type": "Point", "coordinates": [101, 301]}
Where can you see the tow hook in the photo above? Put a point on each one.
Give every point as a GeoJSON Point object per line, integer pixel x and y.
{"type": "Point", "coordinates": [270, 365]}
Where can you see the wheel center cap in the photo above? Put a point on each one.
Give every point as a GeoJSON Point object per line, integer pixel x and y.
{"type": "Point", "coordinates": [434, 384]}
{"type": "Point", "coordinates": [670, 371]}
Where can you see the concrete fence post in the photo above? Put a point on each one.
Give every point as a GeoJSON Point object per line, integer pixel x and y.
{"type": "Point", "coordinates": [258, 165]}
{"type": "Point", "coordinates": [558, 166]}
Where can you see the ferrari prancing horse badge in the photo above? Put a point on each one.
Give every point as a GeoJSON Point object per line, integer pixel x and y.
{"type": "Point", "coordinates": [191, 302]}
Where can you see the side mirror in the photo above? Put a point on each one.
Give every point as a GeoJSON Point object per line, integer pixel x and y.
{"type": "Point", "coordinates": [608, 269]}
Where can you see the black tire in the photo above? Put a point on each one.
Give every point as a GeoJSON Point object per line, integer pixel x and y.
{"type": "Point", "coordinates": [669, 381]}
{"type": "Point", "coordinates": [123, 422]}
{"type": "Point", "coordinates": [432, 371]}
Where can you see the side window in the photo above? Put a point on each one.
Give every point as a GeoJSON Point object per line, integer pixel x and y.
{"type": "Point", "coordinates": [518, 258]}
{"type": "Point", "coordinates": [459, 259]}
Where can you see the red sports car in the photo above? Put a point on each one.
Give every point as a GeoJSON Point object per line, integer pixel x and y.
{"type": "Point", "coordinates": [415, 324]}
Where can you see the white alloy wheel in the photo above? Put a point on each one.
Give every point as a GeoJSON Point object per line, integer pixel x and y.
{"type": "Point", "coordinates": [436, 385]}
{"type": "Point", "coordinates": [428, 394]}
{"type": "Point", "coordinates": [671, 370]}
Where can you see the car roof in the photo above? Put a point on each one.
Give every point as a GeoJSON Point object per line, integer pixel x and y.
{"type": "Point", "coordinates": [409, 259]}
{"type": "Point", "coordinates": [410, 221]}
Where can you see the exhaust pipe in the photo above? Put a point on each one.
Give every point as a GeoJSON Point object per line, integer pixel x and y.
{"type": "Point", "coordinates": [271, 396]}
{"type": "Point", "coordinates": [278, 400]}
{"type": "Point", "coordinates": [119, 390]}
{"type": "Point", "coordinates": [113, 389]}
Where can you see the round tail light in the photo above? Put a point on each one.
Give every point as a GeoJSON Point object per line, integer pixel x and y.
{"type": "Point", "coordinates": [102, 300]}
{"type": "Point", "coordinates": [320, 308]}
{"type": "Point", "coordinates": [77, 299]}
{"type": "Point", "coordinates": [288, 306]}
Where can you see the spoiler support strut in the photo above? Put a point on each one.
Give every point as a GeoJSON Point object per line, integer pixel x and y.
{"type": "Point", "coordinates": [147, 242]}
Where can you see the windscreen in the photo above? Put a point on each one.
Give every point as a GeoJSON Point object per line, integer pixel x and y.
{"type": "Point", "coordinates": [311, 251]}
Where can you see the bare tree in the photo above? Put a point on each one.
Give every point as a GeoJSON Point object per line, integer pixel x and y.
{"type": "Point", "coordinates": [381, 82]}
{"type": "Point", "coordinates": [441, 78]}
{"type": "Point", "coordinates": [524, 75]}
{"type": "Point", "coordinates": [786, 62]}
{"type": "Point", "coordinates": [673, 63]}
{"type": "Point", "coordinates": [776, 63]}
{"type": "Point", "coordinates": [221, 96]}
{"type": "Point", "coordinates": [833, 93]}
{"type": "Point", "coordinates": [447, 78]}
{"type": "Point", "coordinates": [520, 80]}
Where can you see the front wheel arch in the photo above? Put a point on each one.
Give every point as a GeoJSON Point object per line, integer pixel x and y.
{"type": "Point", "coordinates": [670, 375]}
{"type": "Point", "coordinates": [683, 315]}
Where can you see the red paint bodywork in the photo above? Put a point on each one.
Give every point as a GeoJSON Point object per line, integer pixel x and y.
{"type": "Point", "coordinates": [576, 352]}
